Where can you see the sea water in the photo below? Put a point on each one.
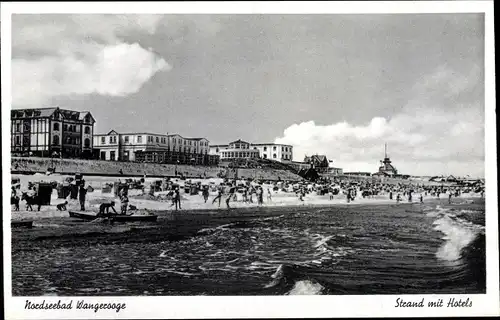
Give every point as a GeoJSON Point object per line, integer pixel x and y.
{"type": "Point", "coordinates": [360, 249]}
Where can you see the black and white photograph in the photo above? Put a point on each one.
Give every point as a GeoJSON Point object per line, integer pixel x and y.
{"type": "Point", "coordinates": [184, 153]}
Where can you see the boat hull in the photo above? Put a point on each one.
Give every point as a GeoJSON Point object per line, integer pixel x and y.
{"type": "Point", "coordinates": [21, 224]}
{"type": "Point", "coordinates": [118, 218]}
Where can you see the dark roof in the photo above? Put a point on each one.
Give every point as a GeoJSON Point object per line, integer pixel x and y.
{"type": "Point", "coordinates": [239, 141]}
{"type": "Point", "coordinates": [218, 145]}
{"type": "Point", "coordinates": [271, 144]}
{"type": "Point", "coordinates": [196, 139]}
{"type": "Point", "coordinates": [149, 133]}
{"type": "Point", "coordinates": [47, 112]}
{"type": "Point", "coordinates": [36, 113]}
{"type": "Point", "coordinates": [83, 114]}
{"type": "Point", "coordinates": [318, 158]}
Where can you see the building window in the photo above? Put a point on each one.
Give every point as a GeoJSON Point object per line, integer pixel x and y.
{"type": "Point", "coordinates": [112, 155]}
{"type": "Point", "coordinates": [126, 139]}
{"type": "Point", "coordinates": [18, 127]}
{"type": "Point", "coordinates": [216, 149]}
{"type": "Point", "coordinates": [55, 140]}
{"type": "Point", "coordinates": [87, 143]}
{"type": "Point", "coordinates": [274, 149]}
{"type": "Point", "coordinates": [18, 140]}
{"type": "Point", "coordinates": [103, 140]}
{"type": "Point", "coordinates": [265, 148]}
{"type": "Point", "coordinates": [157, 140]}
{"type": "Point", "coordinates": [282, 148]}
{"type": "Point", "coordinates": [87, 130]}
{"type": "Point", "coordinates": [139, 139]}
{"type": "Point", "coordinates": [56, 126]}
{"type": "Point", "coordinates": [265, 156]}
{"type": "Point", "coordinates": [274, 155]}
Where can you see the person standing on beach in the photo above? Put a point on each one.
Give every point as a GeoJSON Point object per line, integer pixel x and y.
{"type": "Point", "coordinates": [231, 194]}
{"type": "Point", "coordinates": [124, 203]}
{"type": "Point", "coordinates": [269, 197]}
{"type": "Point", "coordinates": [251, 191]}
{"type": "Point", "coordinates": [219, 195]}
{"type": "Point", "coordinates": [205, 193]}
{"type": "Point", "coordinates": [260, 196]}
{"type": "Point", "coordinates": [449, 197]}
{"type": "Point", "coordinates": [81, 195]}
{"type": "Point", "coordinates": [177, 199]}
{"type": "Point", "coordinates": [245, 195]}
{"type": "Point", "coordinates": [421, 198]}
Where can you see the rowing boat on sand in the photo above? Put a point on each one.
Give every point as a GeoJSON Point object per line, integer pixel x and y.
{"type": "Point", "coordinates": [119, 218]}
{"type": "Point", "coordinates": [21, 224]}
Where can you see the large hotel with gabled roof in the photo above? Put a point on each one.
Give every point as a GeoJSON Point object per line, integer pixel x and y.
{"type": "Point", "coordinates": [49, 132]}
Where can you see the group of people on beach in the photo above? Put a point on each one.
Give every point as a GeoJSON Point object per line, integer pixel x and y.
{"type": "Point", "coordinates": [253, 191]}
{"type": "Point", "coordinates": [247, 194]}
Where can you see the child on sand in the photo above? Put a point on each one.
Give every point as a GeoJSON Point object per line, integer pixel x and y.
{"type": "Point", "coordinates": [62, 206]}
{"type": "Point", "coordinates": [104, 208]}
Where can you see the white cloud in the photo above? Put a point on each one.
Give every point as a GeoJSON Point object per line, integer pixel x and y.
{"type": "Point", "coordinates": [116, 70]}
{"type": "Point", "coordinates": [424, 138]}
{"type": "Point", "coordinates": [80, 54]}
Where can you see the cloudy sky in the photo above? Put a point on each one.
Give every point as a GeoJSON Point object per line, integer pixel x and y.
{"type": "Point", "coordinates": [340, 85]}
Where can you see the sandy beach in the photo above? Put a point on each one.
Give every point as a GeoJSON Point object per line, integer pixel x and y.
{"type": "Point", "coordinates": [159, 203]}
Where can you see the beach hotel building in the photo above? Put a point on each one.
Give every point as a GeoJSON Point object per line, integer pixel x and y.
{"type": "Point", "coordinates": [49, 132]}
{"type": "Point", "coordinates": [153, 147]}
{"type": "Point", "coordinates": [240, 149]}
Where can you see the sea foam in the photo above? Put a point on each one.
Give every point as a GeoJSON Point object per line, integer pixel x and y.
{"type": "Point", "coordinates": [306, 287]}
{"type": "Point", "coordinates": [458, 234]}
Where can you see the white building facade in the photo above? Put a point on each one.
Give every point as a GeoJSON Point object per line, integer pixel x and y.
{"type": "Point", "coordinates": [173, 148]}
{"type": "Point", "coordinates": [240, 149]}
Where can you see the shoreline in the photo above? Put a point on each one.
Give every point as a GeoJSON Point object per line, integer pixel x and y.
{"type": "Point", "coordinates": [172, 214]}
